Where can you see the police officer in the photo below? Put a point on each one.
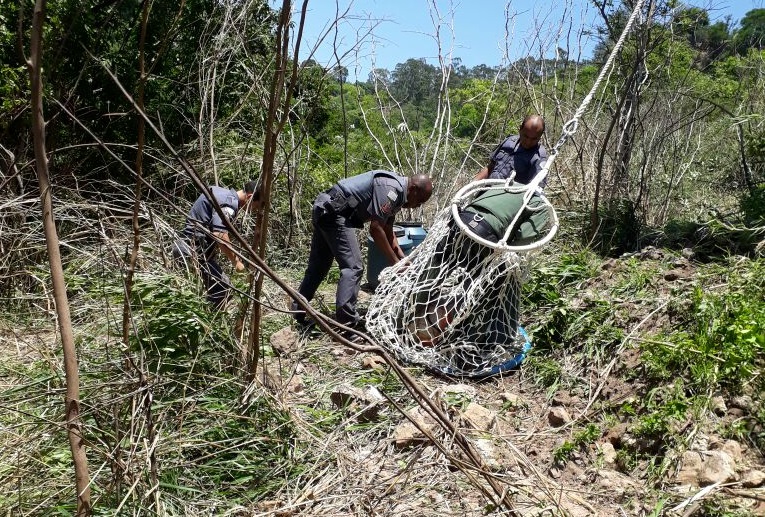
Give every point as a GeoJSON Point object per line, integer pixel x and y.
{"type": "Point", "coordinates": [205, 233]}
{"type": "Point", "coordinates": [374, 196]}
{"type": "Point", "coordinates": [521, 154]}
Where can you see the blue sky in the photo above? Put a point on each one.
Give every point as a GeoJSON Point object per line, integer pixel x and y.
{"type": "Point", "coordinates": [476, 31]}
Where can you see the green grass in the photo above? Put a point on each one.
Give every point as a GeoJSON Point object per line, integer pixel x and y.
{"type": "Point", "coordinates": [580, 440]}
{"type": "Point", "coordinates": [721, 338]}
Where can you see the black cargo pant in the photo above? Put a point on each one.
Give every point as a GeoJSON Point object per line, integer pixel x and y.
{"type": "Point", "coordinates": [199, 253]}
{"type": "Point", "coordinates": [333, 239]}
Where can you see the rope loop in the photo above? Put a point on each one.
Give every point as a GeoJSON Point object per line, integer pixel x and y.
{"type": "Point", "coordinates": [570, 127]}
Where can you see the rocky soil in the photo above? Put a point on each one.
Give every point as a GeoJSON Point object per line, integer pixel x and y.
{"type": "Point", "coordinates": [554, 450]}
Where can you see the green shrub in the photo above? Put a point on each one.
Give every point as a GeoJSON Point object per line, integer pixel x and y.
{"type": "Point", "coordinates": [753, 206]}
{"type": "Point", "coordinates": [620, 228]}
{"type": "Point", "coordinates": [174, 326]}
{"type": "Point", "coordinates": [724, 339]}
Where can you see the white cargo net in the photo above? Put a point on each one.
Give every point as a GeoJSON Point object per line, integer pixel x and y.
{"type": "Point", "coordinates": [454, 305]}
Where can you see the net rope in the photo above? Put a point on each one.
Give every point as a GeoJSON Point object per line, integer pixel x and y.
{"type": "Point", "coordinates": [453, 305]}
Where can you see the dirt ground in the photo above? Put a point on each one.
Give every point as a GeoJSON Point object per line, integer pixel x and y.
{"type": "Point", "coordinates": [518, 428]}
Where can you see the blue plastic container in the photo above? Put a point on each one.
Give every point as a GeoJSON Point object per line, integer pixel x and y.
{"type": "Point", "coordinates": [408, 234]}
{"type": "Point", "coordinates": [415, 231]}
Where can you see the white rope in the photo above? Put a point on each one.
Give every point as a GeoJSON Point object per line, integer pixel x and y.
{"type": "Point", "coordinates": [455, 304]}
{"type": "Point", "coordinates": [469, 191]}
{"type": "Point", "coordinates": [570, 127]}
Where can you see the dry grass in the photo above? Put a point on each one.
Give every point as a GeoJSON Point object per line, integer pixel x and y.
{"type": "Point", "coordinates": [172, 430]}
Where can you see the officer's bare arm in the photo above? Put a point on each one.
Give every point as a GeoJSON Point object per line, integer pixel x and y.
{"type": "Point", "coordinates": [225, 246]}
{"type": "Point", "coordinates": [385, 239]}
{"type": "Point", "coordinates": [482, 174]}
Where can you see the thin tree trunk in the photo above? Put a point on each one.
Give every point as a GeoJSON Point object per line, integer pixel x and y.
{"type": "Point", "coordinates": [278, 114]}
{"type": "Point", "coordinates": [145, 390]}
{"type": "Point", "coordinates": [73, 423]}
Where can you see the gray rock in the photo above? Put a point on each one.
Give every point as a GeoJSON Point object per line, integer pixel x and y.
{"type": "Point", "coordinates": [478, 417]}
{"type": "Point", "coordinates": [718, 467]}
{"type": "Point", "coordinates": [690, 466]}
{"type": "Point", "coordinates": [512, 399]}
{"type": "Point", "coordinates": [406, 434]}
{"type": "Point", "coordinates": [489, 453]}
{"type": "Point", "coordinates": [284, 341]}
{"type": "Point", "coordinates": [373, 362]}
{"type": "Point", "coordinates": [742, 402]}
{"type": "Point", "coordinates": [460, 389]}
{"type": "Point", "coordinates": [734, 449]}
{"type": "Point", "coordinates": [717, 405]}
{"type": "Point", "coordinates": [607, 450]}
{"type": "Point", "coordinates": [366, 404]}
{"type": "Point", "coordinates": [753, 479]}
{"type": "Point", "coordinates": [561, 398]}
{"type": "Point", "coordinates": [615, 482]}
{"type": "Point", "coordinates": [296, 384]}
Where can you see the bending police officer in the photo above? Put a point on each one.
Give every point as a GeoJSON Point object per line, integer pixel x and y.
{"type": "Point", "coordinates": [205, 232]}
{"type": "Point", "coordinates": [375, 196]}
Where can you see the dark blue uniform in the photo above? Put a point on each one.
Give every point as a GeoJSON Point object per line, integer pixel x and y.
{"type": "Point", "coordinates": [196, 241]}
{"type": "Point", "coordinates": [336, 213]}
{"type": "Point", "coordinates": [510, 156]}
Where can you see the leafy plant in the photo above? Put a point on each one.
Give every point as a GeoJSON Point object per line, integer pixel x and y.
{"type": "Point", "coordinates": [580, 440]}
{"type": "Point", "coordinates": [724, 339]}
{"type": "Point", "coordinates": [174, 321]}
{"type": "Point", "coordinates": [563, 452]}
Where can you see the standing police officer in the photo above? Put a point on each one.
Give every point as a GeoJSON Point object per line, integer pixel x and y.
{"type": "Point", "coordinates": [520, 154]}
{"type": "Point", "coordinates": [205, 233]}
{"type": "Point", "coordinates": [374, 196]}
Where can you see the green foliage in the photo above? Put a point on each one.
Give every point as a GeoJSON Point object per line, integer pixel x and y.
{"type": "Point", "coordinates": [724, 337]}
{"type": "Point", "coordinates": [753, 206]}
{"type": "Point", "coordinates": [13, 90]}
{"type": "Point", "coordinates": [710, 40]}
{"type": "Point", "coordinates": [755, 150]}
{"type": "Point", "coordinates": [471, 101]}
{"type": "Point", "coordinates": [620, 227]}
{"type": "Point", "coordinates": [171, 318]}
{"type": "Point", "coordinates": [547, 372]}
{"type": "Point", "coordinates": [236, 449]}
{"type": "Point", "coordinates": [580, 440]}
{"type": "Point", "coordinates": [82, 38]}
{"type": "Point", "coordinates": [751, 34]}
{"type": "Point", "coordinates": [414, 81]}
{"type": "Point", "coordinates": [663, 409]}
{"type": "Point", "coordinates": [546, 295]}
{"type": "Point", "coordinates": [716, 506]}
{"type": "Point", "coordinates": [382, 379]}
{"type": "Point", "coordinates": [563, 452]}
{"type": "Point", "coordinates": [678, 233]}
{"type": "Point", "coordinates": [173, 321]}
{"type": "Point", "coordinates": [637, 278]}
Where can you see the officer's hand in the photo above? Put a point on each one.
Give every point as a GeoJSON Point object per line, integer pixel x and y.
{"type": "Point", "coordinates": [239, 266]}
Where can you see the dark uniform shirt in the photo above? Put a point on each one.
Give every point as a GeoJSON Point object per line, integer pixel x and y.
{"type": "Point", "coordinates": [512, 156]}
{"type": "Point", "coordinates": [203, 215]}
{"type": "Point", "coordinates": [375, 195]}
